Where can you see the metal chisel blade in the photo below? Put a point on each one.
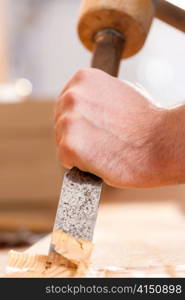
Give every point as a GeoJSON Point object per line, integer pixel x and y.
{"type": "Point", "coordinates": [78, 204]}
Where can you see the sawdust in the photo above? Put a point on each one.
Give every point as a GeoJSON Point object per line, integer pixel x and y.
{"type": "Point", "coordinates": [70, 260]}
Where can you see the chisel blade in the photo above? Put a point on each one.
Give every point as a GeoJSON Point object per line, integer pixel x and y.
{"type": "Point", "coordinates": [78, 204]}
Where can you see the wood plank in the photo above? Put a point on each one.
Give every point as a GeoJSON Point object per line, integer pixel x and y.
{"type": "Point", "coordinates": [33, 220]}
{"type": "Point", "coordinates": [144, 239]}
{"type": "Point", "coordinates": [70, 259]}
{"type": "Point", "coordinates": [30, 114]}
{"type": "Point", "coordinates": [29, 169]}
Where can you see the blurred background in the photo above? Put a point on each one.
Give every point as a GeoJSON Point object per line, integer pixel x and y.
{"type": "Point", "coordinates": [39, 51]}
{"type": "Point", "coordinates": [43, 47]}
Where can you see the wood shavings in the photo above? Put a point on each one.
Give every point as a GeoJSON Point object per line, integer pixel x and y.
{"type": "Point", "coordinates": [75, 250]}
{"type": "Point", "coordinates": [70, 260]}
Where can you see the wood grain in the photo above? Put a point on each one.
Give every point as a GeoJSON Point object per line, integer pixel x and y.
{"type": "Point", "coordinates": [70, 259]}
{"type": "Point", "coordinates": [135, 240]}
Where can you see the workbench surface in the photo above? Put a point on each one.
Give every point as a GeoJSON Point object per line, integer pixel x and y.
{"type": "Point", "coordinates": [3, 260]}
{"type": "Point", "coordinates": [143, 239]}
{"type": "Point", "coordinates": [136, 240]}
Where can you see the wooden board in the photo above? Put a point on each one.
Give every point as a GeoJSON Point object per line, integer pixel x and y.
{"type": "Point", "coordinates": [29, 169]}
{"type": "Point", "coordinates": [135, 240]}
{"type": "Point", "coordinates": [30, 174]}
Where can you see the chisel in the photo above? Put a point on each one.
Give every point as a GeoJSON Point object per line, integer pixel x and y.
{"type": "Point", "coordinates": [111, 29]}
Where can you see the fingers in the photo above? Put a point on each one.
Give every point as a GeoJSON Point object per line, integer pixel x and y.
{"type": "Point", "coordinates": [84, 82]}
{"type": "Point", "coordinates": [65, 103]}
{"type": "Point", "coordinates": [67, 95]}
{"type": "Point", "coordinates": [64, 133]}
{"type": "Point", "coordinates": [76, 146]}
{"type": "Point", "coordinates": [65, 107]}
{"type": "Point", "coordinates": [64, 156]}
{"type": "Point", "coordinates": [82, 123]}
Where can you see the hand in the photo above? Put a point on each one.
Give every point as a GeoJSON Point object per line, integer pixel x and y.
{"type": "Point", "coordinates": [109, 128]}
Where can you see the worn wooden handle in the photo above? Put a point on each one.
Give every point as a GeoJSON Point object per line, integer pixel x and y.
{"type": "Point", "coordinates": [171, 14]}
{"type": "Point", "coordinates": [131, 18]}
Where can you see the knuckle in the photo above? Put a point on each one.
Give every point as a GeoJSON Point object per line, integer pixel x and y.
{"type": "Point", "coordinates": [64, 156]}
{"type": "Point", "coordinates": [88, 74]}
{"type": "Point", "coordinates": [64, 147]}
{"type": "Point", "coordinates": [65, 122]}
{"type": "Point", "coordinates": [70, 98]}
{"type": "Point", "coordinates": [81, 74]}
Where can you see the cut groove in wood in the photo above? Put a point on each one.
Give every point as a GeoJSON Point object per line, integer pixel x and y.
{"type": "Point", "coordinates": [70, 260]}
{"type": "Point", "coordinates": [144, 239]}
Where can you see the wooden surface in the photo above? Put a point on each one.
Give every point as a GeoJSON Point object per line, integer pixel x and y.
{"type": "Point", "coordinates": [142, 238]}
{"type": "Point", "coordinates": [3, 260]}
{"type": "Point", "coordinates": [29, 167]}
{"type": "Point", "coordinates": [131, 18]}
{"type": "Point", "coordinates": [30, 175]}
{"type": "Point", "coordinates": [135, 240]}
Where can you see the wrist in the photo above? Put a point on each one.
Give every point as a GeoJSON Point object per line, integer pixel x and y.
{"type": "Point", "coordinates": [173, 143]}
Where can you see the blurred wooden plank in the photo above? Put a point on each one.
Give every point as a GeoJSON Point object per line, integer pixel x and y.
{"type": "Point", "coordinates": [34, 220]}
{"type": "Point", "coordinates": [29, 167]}
{"type": "Point", "coordinates": [32, 114]}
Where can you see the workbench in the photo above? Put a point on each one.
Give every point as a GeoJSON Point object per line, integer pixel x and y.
{"type": "Point", "coordinates": [134, 239]}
